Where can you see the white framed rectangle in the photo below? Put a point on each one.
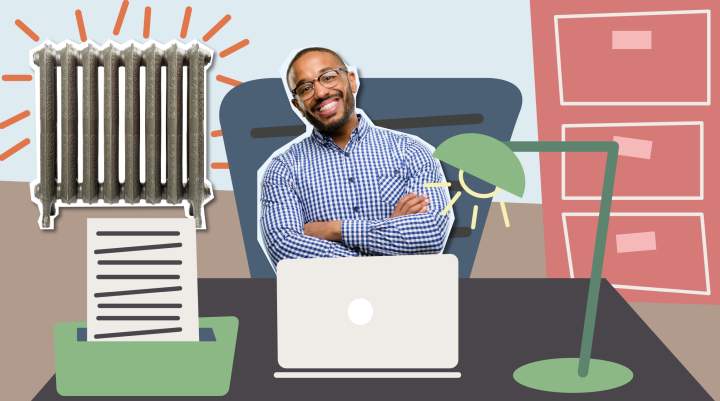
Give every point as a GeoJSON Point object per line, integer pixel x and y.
{"type": "Point", "coordinates": [701, 216]}
{"type": "Point", "coordinates": [701, 133]}
{"type": "Point", "coordinates": [563, 102]}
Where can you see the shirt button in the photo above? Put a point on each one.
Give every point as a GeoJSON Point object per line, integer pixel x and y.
{"type": "Point", "coordinates": [346, 154]}
{"type": "Point", "coordinates": [356, 209]}
{"type": "Point", "coordinates": [351, 179]}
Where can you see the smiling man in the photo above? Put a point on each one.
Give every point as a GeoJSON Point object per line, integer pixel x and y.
{"type": "Point", "coordinates": [348, 187]}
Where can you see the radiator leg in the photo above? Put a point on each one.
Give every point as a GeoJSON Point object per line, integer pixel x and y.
{"type": "Point", "coordinates": [111, 135]}
{"type": "Point", "coordinates": [174, 124]}
{"type": "Point", "coordinates": [46, 191]}
{"type": "Point", "coordinates": [90, 125]}
{"type": "Point", "coordinates": [153, 184]}
{"type": "Point", "coordinates": [132, 59]}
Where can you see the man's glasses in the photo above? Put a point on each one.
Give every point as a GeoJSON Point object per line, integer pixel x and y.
{"type": "Point", "coordinates": [329, 79]}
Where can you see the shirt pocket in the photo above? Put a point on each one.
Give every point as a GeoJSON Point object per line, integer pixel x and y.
{"type": "Point", "coordinates": [391, 187]}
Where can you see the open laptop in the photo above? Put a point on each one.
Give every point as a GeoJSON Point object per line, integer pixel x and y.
{"type": "Point", "coordinates": [368, 317]}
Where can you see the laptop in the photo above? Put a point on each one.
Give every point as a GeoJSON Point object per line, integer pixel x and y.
{"type": "Point", "coordinates": [368, 317]}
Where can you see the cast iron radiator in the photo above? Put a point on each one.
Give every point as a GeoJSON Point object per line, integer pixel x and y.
{"type": "Point", "coordinates": [190, 189]}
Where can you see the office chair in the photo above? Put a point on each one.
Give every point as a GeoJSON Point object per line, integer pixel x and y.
{"type": "Point", "coordinates": [256, 119]}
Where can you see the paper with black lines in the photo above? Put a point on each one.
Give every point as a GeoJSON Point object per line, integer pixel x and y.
{"type": "Point", "coordinates": [142, 280]}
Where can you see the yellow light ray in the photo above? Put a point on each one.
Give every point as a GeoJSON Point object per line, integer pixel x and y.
{"type": "Point", "coordinates": [452, 202]}
{"type": "Point", "coordinates": [473, 223]}
{"type": "Point", "coordinates": [506, 218]}
{"type": "Point", "coordinates": [437, 184]}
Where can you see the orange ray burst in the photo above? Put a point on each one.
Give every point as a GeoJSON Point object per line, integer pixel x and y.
{"type": "Point", "coordinates": [232, 49]}
{"type": "Point", "coordinates": [80, 25]}
{"type": "Point", "coordinates": [4, 155]}
{"type": "Point", "coordinates": [216, 133]}
{"type": "Point", "coordinates": [16, 77]}
{"type": "Point", "coordinates": [220, 165]}
{"type": "Point", "coordinates": [186, 22]}
{"type": "Point", "coordinates": [216, 28]}
{"type": "Point", "coordinates": [227, 80]}
{"type": "Point", "coordinates": [12, 120]}
{"type": "Point", "coordinates": [29, 32]}
{"type": "Point", "coordinates": [146, 22]}
{"type": "Point", "coordinates": [120, 17]}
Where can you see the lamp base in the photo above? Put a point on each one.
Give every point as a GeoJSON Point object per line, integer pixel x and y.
{"type": "Point", "coordinates": [560, 375]}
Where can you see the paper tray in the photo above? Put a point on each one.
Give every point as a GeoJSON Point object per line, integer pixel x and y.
{"type": "Point", "coordinates": [145, 368]}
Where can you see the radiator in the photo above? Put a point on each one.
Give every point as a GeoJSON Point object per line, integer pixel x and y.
{"type": "Point", "coordinates": [63, 186]}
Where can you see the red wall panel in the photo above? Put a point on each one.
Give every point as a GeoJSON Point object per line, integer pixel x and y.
{"type": "Point", "coordinates": [640, 73]}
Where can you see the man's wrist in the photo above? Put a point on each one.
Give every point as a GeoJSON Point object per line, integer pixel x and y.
{"type": "Point", "coordinates": [334, 230]}
{"type": "Point", "coordinates": [325, 230]}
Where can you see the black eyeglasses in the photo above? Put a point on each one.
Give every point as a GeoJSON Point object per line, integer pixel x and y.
{"type": "Point", "coordinates": [329, 79]}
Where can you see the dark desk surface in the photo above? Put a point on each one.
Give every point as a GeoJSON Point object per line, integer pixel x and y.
{"type": "Point", "coordinates": [504, 323]}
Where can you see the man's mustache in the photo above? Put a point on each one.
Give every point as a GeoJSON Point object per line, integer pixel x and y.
{"type": "Point", "coordinates": [337, 95]}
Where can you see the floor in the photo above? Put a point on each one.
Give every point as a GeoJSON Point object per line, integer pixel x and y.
{"type": "Point", "coordinates": [42, 281]}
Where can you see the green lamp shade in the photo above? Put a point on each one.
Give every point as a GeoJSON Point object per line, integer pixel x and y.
{"type": "Point", "coordinates": [486, 158]}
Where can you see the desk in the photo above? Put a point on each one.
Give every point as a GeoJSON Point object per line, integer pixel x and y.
{"type": "Point", "coordinates": [504, 323]}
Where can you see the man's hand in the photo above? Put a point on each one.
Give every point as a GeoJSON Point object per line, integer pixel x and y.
{"type": "Point", "coordinates": [327, 230]}
{"type": "Point", "coordinates": [411, 204]}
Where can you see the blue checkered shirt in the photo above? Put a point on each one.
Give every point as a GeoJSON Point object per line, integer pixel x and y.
{"type": "Point", "coordinates": [315, 180]}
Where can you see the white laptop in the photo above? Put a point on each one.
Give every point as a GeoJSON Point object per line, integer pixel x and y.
{"type": "Point", "coordinates": [387, 316]}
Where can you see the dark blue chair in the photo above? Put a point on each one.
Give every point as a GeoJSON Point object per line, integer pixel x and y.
{"type": "Point", "coordinates": [256, 119]}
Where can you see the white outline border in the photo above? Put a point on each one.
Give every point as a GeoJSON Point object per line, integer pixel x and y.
{"type": "Point", "coordinates": [700, 215]}
{"type": "Point", "coordinates": [563, 102]}
{"type": "Point", "coordinates": [700, 196]}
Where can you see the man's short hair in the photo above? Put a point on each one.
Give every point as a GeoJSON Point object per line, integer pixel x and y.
{"type": "Point", "coordinates": [305, 51]}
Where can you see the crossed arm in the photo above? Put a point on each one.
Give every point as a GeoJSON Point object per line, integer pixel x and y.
{"type": "Point", "coordinates": [411, 203]}
{"type": "Point", "coordinates": [416, 225]}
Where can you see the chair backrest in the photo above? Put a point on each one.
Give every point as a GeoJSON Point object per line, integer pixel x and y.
{"type": "Point", "coordinates": [256, 120]}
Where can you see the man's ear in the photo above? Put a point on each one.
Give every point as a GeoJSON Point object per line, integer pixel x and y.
{"type": "Point", "coordinates": [352, 77]}
{"type": "Point", "coordinates": [297, 105]}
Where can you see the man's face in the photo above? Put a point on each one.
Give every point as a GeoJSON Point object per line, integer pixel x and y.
{"type": "Point", "coordinates": [327, 109]}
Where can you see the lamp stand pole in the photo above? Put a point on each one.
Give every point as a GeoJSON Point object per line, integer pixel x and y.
{"type": "Point", "coordinates": [553, 374]}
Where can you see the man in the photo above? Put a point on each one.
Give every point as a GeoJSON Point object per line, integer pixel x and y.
{"type": "Point", "coordinates": [349, 188]}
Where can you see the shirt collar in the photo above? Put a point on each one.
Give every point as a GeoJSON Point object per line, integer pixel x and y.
{"type": "Point", "coordinates": [356, 134]}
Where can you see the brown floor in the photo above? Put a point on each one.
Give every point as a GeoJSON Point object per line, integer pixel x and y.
{"type": "Point", "coordinates": [42, 281]}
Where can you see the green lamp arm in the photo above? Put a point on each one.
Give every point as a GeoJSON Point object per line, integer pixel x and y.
{"type": "Point", "coordinates": [611, 148]}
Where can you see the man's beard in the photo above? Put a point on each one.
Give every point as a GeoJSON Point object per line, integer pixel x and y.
{"type": "Point", "coordinates": [331, 129]}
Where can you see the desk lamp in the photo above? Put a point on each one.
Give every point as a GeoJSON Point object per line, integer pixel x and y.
{"type": "Point", "coordinates": [495, 162]}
